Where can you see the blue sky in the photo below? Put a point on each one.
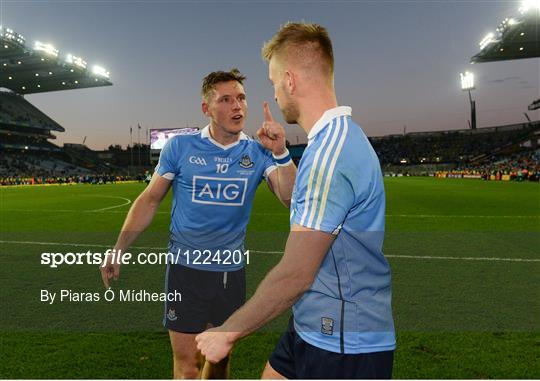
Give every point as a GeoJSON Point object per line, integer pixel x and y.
{"type": "Point", "coordinates": [397, 62]}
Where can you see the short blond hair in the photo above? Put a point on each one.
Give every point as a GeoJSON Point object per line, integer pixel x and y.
{"type": "Point", "coordinates": [301, 40]}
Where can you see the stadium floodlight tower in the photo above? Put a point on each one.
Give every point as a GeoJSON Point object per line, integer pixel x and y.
{"type": "Point", "coordinates": [467, 84]}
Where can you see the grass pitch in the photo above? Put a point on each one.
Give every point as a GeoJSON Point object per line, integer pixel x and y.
{"type": "Point", "coordinates": [464, 254]}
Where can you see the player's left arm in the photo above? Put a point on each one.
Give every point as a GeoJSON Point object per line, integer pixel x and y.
{"type": "Point", "coordinates": [272, 137]}
{"type": "Point", "coordinates": [280, 289]}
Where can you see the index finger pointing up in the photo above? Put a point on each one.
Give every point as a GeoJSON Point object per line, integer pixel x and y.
{"type": "Point", "coordinates": [267, 114]}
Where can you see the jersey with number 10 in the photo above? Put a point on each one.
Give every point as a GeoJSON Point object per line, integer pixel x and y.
{"type": "Point", "coordinates": [213, 191]}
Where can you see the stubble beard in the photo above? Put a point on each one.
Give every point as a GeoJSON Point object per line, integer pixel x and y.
{"type": "Point", "coordinates": [290, 113]}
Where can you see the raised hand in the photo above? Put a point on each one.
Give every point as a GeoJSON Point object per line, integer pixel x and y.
{"type": "Point", "coordinates": [271, 134]}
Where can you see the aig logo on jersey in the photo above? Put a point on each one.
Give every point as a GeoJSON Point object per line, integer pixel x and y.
{"type": "Point", "coordinates": [219, 191]}
{"type": "Point", "coordinates": [197, 160]}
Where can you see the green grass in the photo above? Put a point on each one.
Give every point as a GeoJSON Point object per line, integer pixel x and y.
{"type": "Point", "coordinates": [465, 304]}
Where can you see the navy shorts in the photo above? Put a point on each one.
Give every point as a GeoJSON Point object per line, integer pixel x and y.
{"type": "Point", "coordinates": [293, 358]}
{"type": "Point", "coordinates": [208, 298]}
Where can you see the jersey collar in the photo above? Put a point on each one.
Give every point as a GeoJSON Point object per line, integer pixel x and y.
{"type": "Point", "coordinates": [205, 134]}
{"type": "Point", "coordinates": [327, 117]}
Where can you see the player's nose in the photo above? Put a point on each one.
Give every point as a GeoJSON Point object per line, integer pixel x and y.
{"type": "Point", "coordinates": [237, 104]}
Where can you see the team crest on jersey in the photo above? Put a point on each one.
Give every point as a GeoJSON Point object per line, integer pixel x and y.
{"type": "Point", "coordinates": [171, 315]}
{"type": "Point", "coordinates": [327, 326]}
{"type": "Point", "coordinates": [246, 162]}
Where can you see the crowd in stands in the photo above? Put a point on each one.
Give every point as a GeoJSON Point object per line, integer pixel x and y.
{"type": "Point", "coordinates": [82, 179]}
{"type": "Point", "coordinates": [45, 163]}
{"type": "Point", "coordinates": [24, 168]}
{"type": "Point", "coordinates": [516, 167]}
{"type": "Point", "coordinates": [493, 154]}
{"type": "Point", "coordinates": [448, 146]}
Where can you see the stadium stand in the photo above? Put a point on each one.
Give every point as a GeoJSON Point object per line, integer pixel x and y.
{"type": "Point", "coordinates": [491, 153]}
{"type": "Point", "coordinates": [453, 146]}
{"type": "Point", "coordinates": [44, 164]}
{"type": "Point", "coordinates": [26, 154]}
{"type": "Point", "coordinates": [16, 111]}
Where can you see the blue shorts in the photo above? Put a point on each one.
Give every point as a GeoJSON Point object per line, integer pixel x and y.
{"type": "Point", "coordinates": [208, 297]}
{"type": "Point", "coordinates": [293, 358]}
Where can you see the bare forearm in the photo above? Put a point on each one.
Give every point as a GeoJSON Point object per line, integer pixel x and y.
{"type": "Point", "coordinates": [139, 217]}
{"type": "Point", "coordinates": [281, 288]}
{"type": "Point", "coordinates": [286, 176]}
{"type": "Point", "coordinates": [277, 292]}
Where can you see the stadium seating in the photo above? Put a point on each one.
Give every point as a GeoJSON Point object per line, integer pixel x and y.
{"type": "Point", "coordinates": [27, 164]}
{"type": "Point", "coordinates": [459, 146]}
{"type": "Point", "coordinates": [15, 110]}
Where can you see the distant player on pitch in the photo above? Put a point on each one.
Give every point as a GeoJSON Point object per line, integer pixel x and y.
{"type": "Point", "coordinates": [214, 174]}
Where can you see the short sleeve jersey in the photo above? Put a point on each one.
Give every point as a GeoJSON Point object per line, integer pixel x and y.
{"type": "Point", "coordinates": [213, 191]}
{"type": "Point", "coordinates": [339, 190]}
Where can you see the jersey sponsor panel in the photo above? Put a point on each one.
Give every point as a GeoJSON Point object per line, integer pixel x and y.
{"type": "Point", "coordinates": [219, 191]}
{"type": "Point", "coordinates": [213, 190]}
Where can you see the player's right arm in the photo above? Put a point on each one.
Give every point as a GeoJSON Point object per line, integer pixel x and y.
{"type": "Point", "coordinates": [139, 217]}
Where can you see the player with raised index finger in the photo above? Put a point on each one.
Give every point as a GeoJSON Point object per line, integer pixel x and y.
{"type": "Point", "coordinates": [214, 174]}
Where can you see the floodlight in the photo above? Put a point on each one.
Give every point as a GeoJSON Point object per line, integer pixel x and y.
{"type": "Point", "coordinates": [78, 61]}
{"type": "Point", "coordinates": [100, 71]}
{"type": "Point", "coordinates": [467, 84]}
{"type": "Point", "coordinates": [9, 34]}
{"type": "Point", "coordinates": [467, 81]}
{"type": "Point", "coordinates": [527, 5]}
{"type": "Point", "coordinates": [46, 48]}
{"type": "Point", "coordinates": [488, 39]}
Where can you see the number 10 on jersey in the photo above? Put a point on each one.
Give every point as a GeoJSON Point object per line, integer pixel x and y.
{"type": "Point", "coordinates": [222, 168]}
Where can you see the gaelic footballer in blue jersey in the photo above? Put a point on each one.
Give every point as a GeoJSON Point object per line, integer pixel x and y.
{"type": "Point", "coordinates": [214, 174]}
{"type": "Point", "coordinates": [333, 271]}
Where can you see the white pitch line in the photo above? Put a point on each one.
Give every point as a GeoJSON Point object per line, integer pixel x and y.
{"type": "Point", "coordinates": [74, 210]}
{"type": "Point", "coordinates": [489, 259]}
{"type": "Point", "coordinates": [454, 216]}
{"type": "Point", "coordinates": [128, 201]}
{"type": "Point", "coordinates": [73, 244]}
{"type": "Point", "coordinates": [104, 210]}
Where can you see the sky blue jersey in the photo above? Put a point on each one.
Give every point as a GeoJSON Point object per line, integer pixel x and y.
{"type": "Point", "coordinates": [213, 191]}
{"type": "Point", "coordinates": [339, 190]}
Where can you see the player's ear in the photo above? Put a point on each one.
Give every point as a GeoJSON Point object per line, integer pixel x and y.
{"type": "Point", "coordinates": [204, 108]}
{"type": "Point", "coordinates": [290, 82]}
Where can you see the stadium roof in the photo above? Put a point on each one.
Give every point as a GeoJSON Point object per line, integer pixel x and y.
{"type": "Point", "coordinates": [41, 68]}
{"type": "Point", "coordinates": [515, 38]}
